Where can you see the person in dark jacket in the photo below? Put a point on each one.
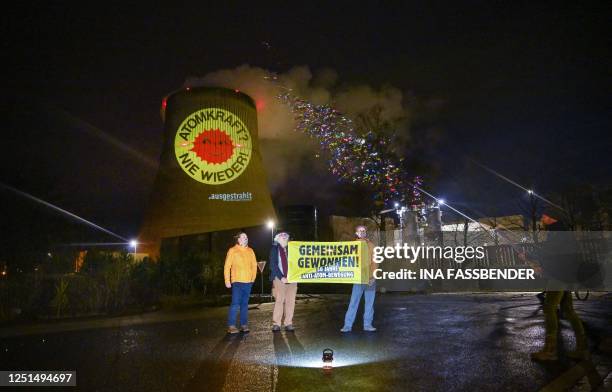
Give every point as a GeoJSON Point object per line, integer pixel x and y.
{"type": "Point", "coordinates": [284, 292]}
{"type": "Point", "coordinates": [558, 259]}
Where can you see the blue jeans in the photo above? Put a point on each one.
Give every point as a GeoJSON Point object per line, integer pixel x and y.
{"type": "Point", "coordinates": [369, 292]}
{"type": "Point", "coordinates": [240, 300]}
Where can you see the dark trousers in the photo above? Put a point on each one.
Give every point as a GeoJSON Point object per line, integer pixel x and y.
{"type": "Point", "coordinates": [240, 300]}
{"type": "Point", "coordinates": [552, 301]}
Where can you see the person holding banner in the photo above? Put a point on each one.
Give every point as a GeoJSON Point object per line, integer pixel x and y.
{"type": "Point", "coordinates": [284, 292]}
{"type": "Point", "coordinates": [368, 290]}
{"type": "Point", "coordinates": [239, 272]}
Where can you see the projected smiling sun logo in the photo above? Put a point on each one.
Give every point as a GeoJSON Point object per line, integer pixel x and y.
{"type": "Point", "coordinates": [213, 146]}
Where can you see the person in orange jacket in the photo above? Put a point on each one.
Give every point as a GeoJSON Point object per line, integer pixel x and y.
{"type": "Point", "coordinates": [239, 271]}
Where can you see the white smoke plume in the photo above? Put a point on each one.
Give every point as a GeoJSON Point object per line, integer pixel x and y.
{"type": "Point", "coordinates": [285, 152]}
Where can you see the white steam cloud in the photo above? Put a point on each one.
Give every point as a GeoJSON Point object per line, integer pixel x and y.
{"type": "Point", "coordinates": [286, 153]}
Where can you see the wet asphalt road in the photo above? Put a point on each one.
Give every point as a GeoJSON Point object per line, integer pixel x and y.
{"type": "Point", "coordinates": [441, 342]}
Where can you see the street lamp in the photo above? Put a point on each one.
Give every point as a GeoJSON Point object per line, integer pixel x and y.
{"type": "Point", "coordinates": [134, 244]}
{"type": "Point", "coordinates": [270, 225]}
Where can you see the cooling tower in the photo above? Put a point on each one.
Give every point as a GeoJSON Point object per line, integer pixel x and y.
{"type": "Point", "coordinates": [210, 176]}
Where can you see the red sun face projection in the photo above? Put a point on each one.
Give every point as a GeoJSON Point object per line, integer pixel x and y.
{"type": "Point", "coordinates": [213, 146]}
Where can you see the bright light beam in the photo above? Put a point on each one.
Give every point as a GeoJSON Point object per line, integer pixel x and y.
{"type": "Point", "coordinates": [56, 208]}
{"type": "Point", "coordinates": [106, 137]}
{"type": "Point", "coordinates": [88, 244]}
{"type": "Point", "coordinates": [463, 215]}
{"type": "Point", "coordinates": [512, 235]}
{"type": "Point", "coordinates": [529, 191]}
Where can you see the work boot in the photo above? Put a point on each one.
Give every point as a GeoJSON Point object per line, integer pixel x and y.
{"type": "Point", "coordinates": [549, 352]}
{"type": "Point", "coordinates": [232, 330]}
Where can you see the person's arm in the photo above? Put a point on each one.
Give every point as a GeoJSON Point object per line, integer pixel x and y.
{"type": "Point", "coordinates": [273, 261]}
{"type": "Point", "coordinates": [253, 264]}
{"type": "Point", "coordinates": [373, 265]}
{"type": "Point", "coordinates": [227, 269]}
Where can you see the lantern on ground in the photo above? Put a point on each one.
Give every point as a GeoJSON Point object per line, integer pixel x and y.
{"type": "Point", "coordinates": [328, 358]}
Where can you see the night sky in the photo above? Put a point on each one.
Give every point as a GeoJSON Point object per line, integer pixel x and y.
{"type": "Point", "coordinates": [522, 87]}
